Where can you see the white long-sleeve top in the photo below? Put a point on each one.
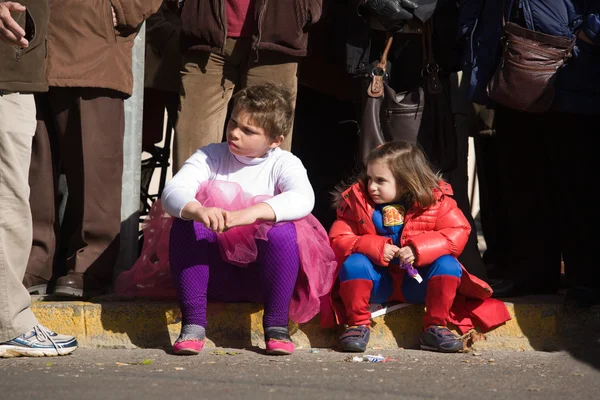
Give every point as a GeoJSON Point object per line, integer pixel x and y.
{"type": "Point", "coordinates": [278, 173]}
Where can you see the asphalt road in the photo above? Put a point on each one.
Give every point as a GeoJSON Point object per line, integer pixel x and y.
{"type": "Point", "coordinates": [323, 374]}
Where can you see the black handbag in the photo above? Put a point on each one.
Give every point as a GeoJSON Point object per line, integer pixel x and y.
{"type": "Point", "coordinates": [422, 115]}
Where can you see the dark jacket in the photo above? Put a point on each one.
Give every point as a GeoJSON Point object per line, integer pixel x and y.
{"type": "Point", "coordinates": [360, 37]}
{"type": "Point", "coordinates": [281, 25]}
{"type": "Point", "coordinates": [24, 70]}
{"type": "Point", "coordinates": [163, 59]}
{"type": "Point", "coordinates": [85, 49]}
{"type": "Point", "coordinates": [578, 82]}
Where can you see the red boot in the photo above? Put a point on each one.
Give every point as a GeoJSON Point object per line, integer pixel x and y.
{"type": "Point", "coordinates": [441, 291]}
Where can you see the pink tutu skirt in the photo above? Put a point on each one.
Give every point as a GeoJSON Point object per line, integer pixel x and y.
{"type": "Point", "coordinates": [150, 276]}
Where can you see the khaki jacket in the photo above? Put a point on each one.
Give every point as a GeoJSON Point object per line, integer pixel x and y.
{"type": "Point", "coordinates": [86, 50]}
{"type": "Point", "coordinates": [23, 70]}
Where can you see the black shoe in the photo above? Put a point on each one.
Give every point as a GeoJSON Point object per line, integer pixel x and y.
{"type": "Point", "coordinates": [506, 288]}
{"type": "Point", "coordinates": [76, 284]}
{"type": "Point", "coordinates": [582, 297]}
{"type": "Point", "coordinates": [442, 339]}
{"type": "Point", "coordinates": [35, 284]}
{"type": "Point", "coordinates": [355, 339]}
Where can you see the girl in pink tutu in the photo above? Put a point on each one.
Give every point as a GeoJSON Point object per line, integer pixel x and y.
{"type": "Point", "coordinates": [242, 228]}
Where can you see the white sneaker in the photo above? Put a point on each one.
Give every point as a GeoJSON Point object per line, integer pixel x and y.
{"type": "Point", "coordinates": [38, 342]}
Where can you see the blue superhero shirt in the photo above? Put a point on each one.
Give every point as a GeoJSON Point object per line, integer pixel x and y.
{"type": "Point", "coordinates": [389, 221]}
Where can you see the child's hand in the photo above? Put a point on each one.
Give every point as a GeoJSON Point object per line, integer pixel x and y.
{"type": "Point", "coordinates": [406, 255]}
{"type": "Point", "coordinates": [389, 252]}
{"type": "Point", "coordinates": [240, 218]}
{"type": "Point", "coordinates": [212, 218]}
{"type": "Point", "coordinates": [247, 216]}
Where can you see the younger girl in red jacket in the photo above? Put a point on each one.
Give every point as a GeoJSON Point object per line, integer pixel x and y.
{"type": "Point", "coordinates": [400, 215]}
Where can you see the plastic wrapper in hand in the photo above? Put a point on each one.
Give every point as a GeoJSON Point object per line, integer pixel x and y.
{"type": "Point", "coordinates": [150, 275]}
{"type": "Point", "coordinates": [411, 271]}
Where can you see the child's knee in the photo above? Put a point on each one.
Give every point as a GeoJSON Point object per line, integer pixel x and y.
{"type": "Point", "coordinates": [447, 265]}
{"type": "Point", "coordinates": [356, 266]}
{"type": "Point", "coordinates": [282, 232]}
{"type": "Point", "coordinates": [185, 234]}
{"type": "Point", "coordinates": [203, 233]}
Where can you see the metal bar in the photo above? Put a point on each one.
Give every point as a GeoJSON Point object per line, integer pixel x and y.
{"type": "Point", "coordinates": [132, 158]}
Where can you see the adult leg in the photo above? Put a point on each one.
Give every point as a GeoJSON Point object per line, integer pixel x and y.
{"type": "Point", "coordinates": [153, 118]}
{"type": "Point", "coordinates": [273, 67]}
{"type": "Point", "coordinates": [43, 181]}
{"type": "Point", "coordinates": [459, 176]}
{"type": "Point", "coordinates": [484, 139]}
{"type": "Point", "coordinates": [17, 127]}
{"type": "Point", "coordinates": [20, 332]}
{"type": "Point", "coordinates": [207, 84]}
{"type": "Point", "coordinates": [529, 229]}
{"type": "Point", "coordinates": [577, 228]}
{"type": "Point", "coordinates": [92, 158]}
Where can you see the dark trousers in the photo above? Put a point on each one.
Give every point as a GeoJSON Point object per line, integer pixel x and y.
{"type": "Point", "coordinates": [547, 203]}
{"type": "Point", "coordinates": [487, 178]}
{"type": "Point", "coordinates": [79, 133]}
{"type": "Point", "coordinates": [155, 103]}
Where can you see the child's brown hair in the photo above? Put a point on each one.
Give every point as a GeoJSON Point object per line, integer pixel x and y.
{"type": "Point", "coordinates": [410, 168]}
{"type": "Point", "coordinates": [271, 106]}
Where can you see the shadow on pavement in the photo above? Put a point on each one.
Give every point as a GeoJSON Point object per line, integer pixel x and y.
{"type": "Point", "coordinates": [550, 326]}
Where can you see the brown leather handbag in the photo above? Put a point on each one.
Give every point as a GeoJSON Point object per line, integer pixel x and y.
{"type": "Point", "coordinates": [524, 79]}
{"type": "Point", "coordinates": [422, 115]}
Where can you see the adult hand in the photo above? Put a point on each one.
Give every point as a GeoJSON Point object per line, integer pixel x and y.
{"type": "Point", "coordinates": [174, 3]}
{"type": "Point", "coordinates": [392, 14]}
{"type": "Point", "coordinates": [10, 31]}
{"type": "Point", "coordinates": [582, 36]}
{"type": "Point", "coordinates": [389, 252]}
{"type": "Point", "coordinates": [406, 255]}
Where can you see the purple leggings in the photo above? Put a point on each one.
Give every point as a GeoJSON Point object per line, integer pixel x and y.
{"type": "Point", "coordinates": [194, 257]}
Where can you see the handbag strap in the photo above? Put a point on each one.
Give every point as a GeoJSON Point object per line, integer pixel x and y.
{"type": "Point", "coordinates": [430, 68]}
{"type": "Point", "coordinates": [376, 86]}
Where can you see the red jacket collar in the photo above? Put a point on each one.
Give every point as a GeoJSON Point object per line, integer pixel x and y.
{"type": "Point", "coordinates": [356, 196]}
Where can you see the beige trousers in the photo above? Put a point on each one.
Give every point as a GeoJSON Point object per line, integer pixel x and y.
{"type": "Point", "coordinates": [208, 81]}
{"type": "Point", "coordinates": [17, 127]}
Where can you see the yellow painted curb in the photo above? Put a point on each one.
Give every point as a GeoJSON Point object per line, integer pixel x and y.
{"type": "Point", "coordinates": [156, 325]}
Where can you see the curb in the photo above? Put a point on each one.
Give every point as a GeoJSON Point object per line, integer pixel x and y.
{"type": "Point", "coordinates": [536, 324]}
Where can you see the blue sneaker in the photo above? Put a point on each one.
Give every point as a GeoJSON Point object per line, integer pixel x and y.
{"type": "Point", "coordinates": [355, 339]}
{"type": "Point", "coordinates": [38, 342]}
{"type": "Point", "coordinates": [442, 339]}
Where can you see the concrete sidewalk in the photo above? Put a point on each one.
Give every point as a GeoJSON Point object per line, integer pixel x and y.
{"type": "Point", "coordinates": [538, 323]}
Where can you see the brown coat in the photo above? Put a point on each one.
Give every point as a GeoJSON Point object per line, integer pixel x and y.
{"type": "Point", "coordinates": [281, 25]}
{"type": "Point", "coordinates": [22, 70]}
{"type": "Point", "coordinates": [84, 48]}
